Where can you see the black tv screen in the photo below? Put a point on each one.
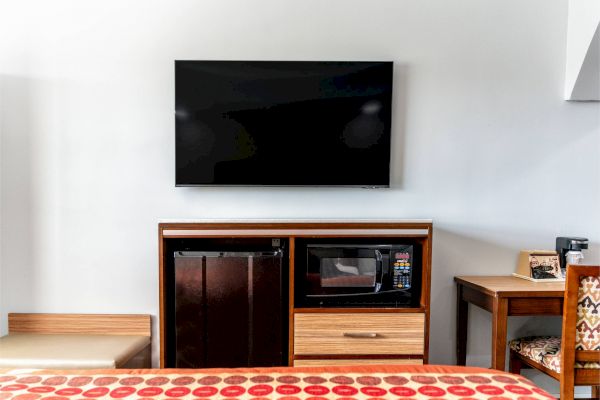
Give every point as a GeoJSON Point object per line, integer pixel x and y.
{"type": "Point", "coordinates": [283, 123]}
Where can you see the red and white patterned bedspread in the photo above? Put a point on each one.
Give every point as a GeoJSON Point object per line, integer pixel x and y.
{"type": "Point", "coordinates": [340, 383]}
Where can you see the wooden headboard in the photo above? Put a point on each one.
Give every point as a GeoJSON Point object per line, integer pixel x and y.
{"type": "Point", "coordinates": [92, 324]}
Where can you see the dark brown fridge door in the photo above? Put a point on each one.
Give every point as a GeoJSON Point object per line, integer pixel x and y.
{"type": "Point", "coordinates": [229, 309]}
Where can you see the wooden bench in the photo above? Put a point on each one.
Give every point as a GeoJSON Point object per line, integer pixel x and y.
{"type": "Point", "coordinates": [76, 341]}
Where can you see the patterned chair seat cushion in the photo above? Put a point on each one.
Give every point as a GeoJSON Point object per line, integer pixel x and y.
{"type": "Point", "coordinates": [544, 350]}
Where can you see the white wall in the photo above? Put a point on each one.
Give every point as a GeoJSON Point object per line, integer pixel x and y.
{"type": "Point", "coordinates": [483, 141]}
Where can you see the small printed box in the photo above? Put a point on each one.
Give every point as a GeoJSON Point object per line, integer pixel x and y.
{"type": "Point", "coordinates": [539, 265]}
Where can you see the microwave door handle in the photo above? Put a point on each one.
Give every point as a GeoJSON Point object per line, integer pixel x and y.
{"type": "Point", "coordinates": [378, 271]}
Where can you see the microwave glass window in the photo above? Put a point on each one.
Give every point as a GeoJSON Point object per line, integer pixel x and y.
{"type": "Point", "coordinates": [348, 272]}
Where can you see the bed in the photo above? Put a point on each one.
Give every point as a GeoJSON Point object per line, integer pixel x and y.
{"type": "Point", "coordinates": [285, 383]}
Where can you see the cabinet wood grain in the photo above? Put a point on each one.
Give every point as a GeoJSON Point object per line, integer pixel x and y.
{"type": "Point", "coordinates": [359, 361]}
{"type": "Point", "coordinates": [92, 324]}
{"type": "Point", "coordinates": [374, 333]}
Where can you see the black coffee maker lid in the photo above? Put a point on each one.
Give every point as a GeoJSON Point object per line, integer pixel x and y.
{"type": "Point", "coordinates": [572, 242]}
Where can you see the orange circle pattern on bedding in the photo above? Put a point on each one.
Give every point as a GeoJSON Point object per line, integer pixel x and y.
{"type": "Point", "coordinates": [286, 386]}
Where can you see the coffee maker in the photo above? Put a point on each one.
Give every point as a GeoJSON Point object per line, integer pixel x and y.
{"type": "Point", "coordinates": [571, 247]}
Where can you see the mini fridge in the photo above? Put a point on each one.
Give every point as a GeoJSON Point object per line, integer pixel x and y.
{"type": "Point", "coordinates": [230, 309]}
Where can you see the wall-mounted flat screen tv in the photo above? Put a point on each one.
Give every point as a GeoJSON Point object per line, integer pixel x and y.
{"type": "Point", "coordinates": [283, 123]}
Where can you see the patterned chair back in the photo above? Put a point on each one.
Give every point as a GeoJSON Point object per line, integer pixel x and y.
{"type": "Point", "coordinates": [587, 335]}
{"type": "Point", "coordinates": [580, 342]}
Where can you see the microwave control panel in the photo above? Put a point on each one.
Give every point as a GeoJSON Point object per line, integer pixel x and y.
{"type": "Point", "coordinates": [402, 267]}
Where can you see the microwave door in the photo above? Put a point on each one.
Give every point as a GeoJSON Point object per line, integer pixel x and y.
{"type": "Point", "coordinates": [380, 260]}
{"type": "Point", "coordinates": [340, 274]}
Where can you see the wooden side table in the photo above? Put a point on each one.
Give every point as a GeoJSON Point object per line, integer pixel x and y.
{"type": "Point", "coordinates": [502, 296]}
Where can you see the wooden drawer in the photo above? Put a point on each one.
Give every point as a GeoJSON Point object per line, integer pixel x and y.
{"type": "Point", "coordinates": [362, 361]}
{"type": "Point", "coordinates": [364, 333]}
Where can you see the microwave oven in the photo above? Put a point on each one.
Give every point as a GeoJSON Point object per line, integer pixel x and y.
{"type": "Point", "coordinates": [357, 275]}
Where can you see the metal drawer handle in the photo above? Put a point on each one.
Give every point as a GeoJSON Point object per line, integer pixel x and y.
{"type": "Point", "coordinates": [360, 334]}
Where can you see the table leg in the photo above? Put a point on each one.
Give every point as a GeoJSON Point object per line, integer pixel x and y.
{"type": "Point", "coordinates": [499, 323]}
{"type": "Point", "coordinates": [462, 318]}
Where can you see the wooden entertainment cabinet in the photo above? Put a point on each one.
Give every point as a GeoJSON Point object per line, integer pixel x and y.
{"type": "Point", "coordinates": [324, 336]}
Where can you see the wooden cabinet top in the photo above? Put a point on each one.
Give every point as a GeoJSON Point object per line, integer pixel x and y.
{"type": "Point", "coordinates": [294, 221]}
{"type": "Point", "coordinates": [257, 228]}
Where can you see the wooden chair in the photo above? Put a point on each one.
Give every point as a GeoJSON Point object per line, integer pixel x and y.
{"type": "Point", "coordinates": [574, 358]}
